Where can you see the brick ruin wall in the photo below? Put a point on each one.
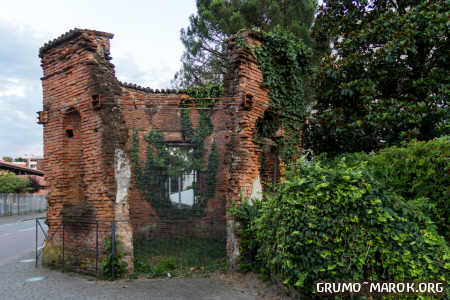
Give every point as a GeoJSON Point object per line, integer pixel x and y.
{"type": "Point", "coordinates": [89, 118]}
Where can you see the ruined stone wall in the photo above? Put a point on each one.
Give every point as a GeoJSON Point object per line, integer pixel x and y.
{"type": "Point", "coordinates": [89, 118]}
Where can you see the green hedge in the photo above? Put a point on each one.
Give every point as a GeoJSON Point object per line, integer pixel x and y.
{"type": "Point", "coordinates": [340, 223]}
{"type": "Point", "coordinates": [415, 170]}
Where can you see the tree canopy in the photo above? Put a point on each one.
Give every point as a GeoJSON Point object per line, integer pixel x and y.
{"type": "Point", "coordinates": [204, 59]}
{"type": "Point", "coordinates": [385, 78]}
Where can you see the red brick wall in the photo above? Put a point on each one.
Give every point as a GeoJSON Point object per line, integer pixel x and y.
{"type": "Point", "coordinates": [243, 80]}
{"type": "Point", "coordinates": [145, 111]}
{"type": "Point", "coordinates": [77, 169]}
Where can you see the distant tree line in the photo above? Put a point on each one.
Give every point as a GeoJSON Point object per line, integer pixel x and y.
{"type": "Point", "coordinates": [10, 159]}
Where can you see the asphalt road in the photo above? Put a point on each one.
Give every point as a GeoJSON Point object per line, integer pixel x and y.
{"type": "Point", "coordinates": [18, 237]}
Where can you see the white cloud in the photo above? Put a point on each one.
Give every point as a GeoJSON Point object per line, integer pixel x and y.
{"type": "Point", "coordinates": [18, 91]}
{"type": "Point", "coordinates": [146, 50]}
{"type": "Point", "coordinates": [146, 31]}
{"type": "Point", "coordinates": [21, 115]}
{"type": "Point", "coordinates": [157, 77]}
{"type": "Point", "coordinates": [30, 150]}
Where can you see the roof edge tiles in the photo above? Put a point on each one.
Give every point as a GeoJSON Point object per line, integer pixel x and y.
{"type": "Point", "coordinates": [18, 167]}
{"type": "Point", "coordinates": [71, 34]}
{"type": "Point", "coordinates": [150, 90]}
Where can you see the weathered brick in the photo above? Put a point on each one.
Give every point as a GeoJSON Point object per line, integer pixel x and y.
{"type": "Point", "coordinates": [90, 121]}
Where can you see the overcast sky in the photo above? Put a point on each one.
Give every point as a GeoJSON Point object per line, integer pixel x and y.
{"type": "Point", "coordinates": [146, 50]}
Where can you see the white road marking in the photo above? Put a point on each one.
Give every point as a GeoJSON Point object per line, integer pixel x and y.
{"type": "Point", "coordinates": [33, 279]}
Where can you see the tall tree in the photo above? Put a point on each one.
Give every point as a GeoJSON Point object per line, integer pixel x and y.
{"type": "Point", "coordinates": [204, 59]}
{"type": "Point", "coordinates": [386, 77]}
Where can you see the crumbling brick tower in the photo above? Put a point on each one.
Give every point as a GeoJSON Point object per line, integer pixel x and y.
{"type": "Point", "coordinates": [91, 121]}
{"type": "Point", "coordinates": [83, 145]}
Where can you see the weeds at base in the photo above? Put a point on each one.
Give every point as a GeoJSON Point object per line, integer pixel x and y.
{"type": "Point", "coordinates": [186, 257]}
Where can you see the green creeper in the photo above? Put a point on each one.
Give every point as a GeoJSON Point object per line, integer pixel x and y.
{"type": "Point", "coordinates": [285, 63]}
{"type": "Point", "coordinates": [163, 161]}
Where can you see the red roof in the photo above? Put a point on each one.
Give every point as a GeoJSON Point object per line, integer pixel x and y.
{"type": "Point", "coordinates": [10, 165]}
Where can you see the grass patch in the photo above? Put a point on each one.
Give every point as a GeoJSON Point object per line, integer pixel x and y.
{"type": "Point", "coordinates": [181, 257]}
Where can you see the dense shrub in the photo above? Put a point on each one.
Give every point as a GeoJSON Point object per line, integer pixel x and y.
{"type": "Point", "coordinates": [10, 183]}
{"type": "Point", "coordinates": [340, 223]}
{"type": "Point", "coordinates": [247, 213]}
{"type": "Point", "coordinates": [418, 171]}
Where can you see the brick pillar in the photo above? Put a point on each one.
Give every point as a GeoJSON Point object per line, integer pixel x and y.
{"type": "Point", "coordinates": [84, 138]}
{"type": "Point", "coordinates": [243, 81]}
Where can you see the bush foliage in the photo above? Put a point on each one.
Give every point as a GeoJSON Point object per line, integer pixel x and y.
{"type": "Point", "coordinates": [10, 183]}
{"type": "Point", "coordinates": [417, 170]}
{"type": "Point", "coordinates": [338, 222]}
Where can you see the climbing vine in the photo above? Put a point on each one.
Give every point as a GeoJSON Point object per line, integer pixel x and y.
{"type": "Point", "coordinates": [285, 63]}
{"type": "Point", "coordinates": [113, 260]}
{"type": "Point", "coordinates": [208, 91]}
{"type": "Point", "coordinates": [164, 162]}
{"type": "Point", "coordinates": [206, 96]}
{"type": "Point", "coordinates": [211, 172]}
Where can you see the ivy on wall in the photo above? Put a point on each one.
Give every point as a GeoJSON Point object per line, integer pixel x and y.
{"type": "Point", "coordinates": [164, 162]}
{"type": "Point", "coordinates": [208, 91]}
{"type": "Point", "coordinates": [161, 163]}
{"type": "Point", "coordinates": [211, 172]}
{"type": "Point", "coordinates": [285, 62]}
{"type": "Point", "coordinates": [205, 97]}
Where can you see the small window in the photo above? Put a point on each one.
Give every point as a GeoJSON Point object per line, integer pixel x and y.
{"type": "Point", "coordinates": [69, 133]}
{"type": "Point", "coordinates": [96, 102]}
{"type": "Point", "coordinates": [181, 189]}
